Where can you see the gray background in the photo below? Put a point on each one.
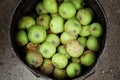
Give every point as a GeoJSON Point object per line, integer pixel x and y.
{"type": "Point", "coordinates": [108, 67]}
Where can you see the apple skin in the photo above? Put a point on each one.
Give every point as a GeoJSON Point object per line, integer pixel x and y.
{"type": "Point", "coordinates": [75, 60]}
{"type": "Point", "coordinates": [85, 31]}
{"type": "Point", "coordinates": [67, 10]}
{"type": "Point", "coordinates": [54, 39]}
{"type": "Point", "coordinates": [88, 58]}
{"type": "Point", "coordinates": [84, 16]}
{"type": "Point", "coordinates": [40, 8]}
{"type": "Point", "coordinates": [56, 24]}
{"type": "Point", "coordinates": [74, 49]}
{"type": "Point", "coordinates": [21, 38]}
{"type": "Point", "coordinates": [91, 11]}
{"type": "Point", "coordinates": [59, 60]}
{"type": "Point", "coordinates": [32, 47]}
{"type": "Point", "coordinates": [93, 44]}
{"type": "Point", "coordinates": [47, 66]}
{"type": "Point", "coordinates": [72, 27]}
{"type": "Point", "coordinates": [25, 22]}
{"type": "Point", "coordinates": [44, 21]}
{"type": "Point", "coordinates": [73, 70]}
{"type": "Point", "coordinates": [50, 6]}
{"type": "Point", "coordinates": [83, 41]}
{"type": "Point", "coordinates": [34, 59]}
{"type": "Point", "coordinates": [36, 34]}
{"type": "Point", "coordinates": [65, 38]}
{"type": "Point", "coordinates": [78, 3]}
{"type": "Point", "coordinates": [59, 74]}
{"type": "Point", "coordinates": [96, 29]}
{"type": "Point", "coordinates": [47, 50]}
{"type": "Point", "coordinates": [62, 50]}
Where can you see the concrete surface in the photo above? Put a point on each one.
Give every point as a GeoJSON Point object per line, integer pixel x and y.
{"type": "Point", "coordinates": [108, 67]}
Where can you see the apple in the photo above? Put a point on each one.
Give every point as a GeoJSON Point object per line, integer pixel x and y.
{"type": "Point", "coordinates": [83, 41]}
{"type": "Point", "coordinates": [91, 11]}
{"type": "Point", "coordinates": [62, 50]}
{"type": "Point", "coordinates": [21, 38]}
{"type": "Point", "coordinates": [66, 38]}
{"type": "Point", "coordinates": [59, 60]}
{"type": "Point", "coordinates": [84, 16]}
{"type": "Point", "coordinates": [74, 49]}
{"type": "Point", "coordinates": [40, 8]}
{"type": "Point", "coordinates": [78, 3]}
{"type": "Point", "coordinates": [25, 22]}
{"type": "Point", "coordinates": [56, 24]}
{"type": "Point", "coordinates": [47, 67]}
{"type": "Point", "coordinates": [73, 70]}
{"type": "Point", "coordinates": [54, 14]}
{"type": "Point", "coordinates": [93, 44]}
{"type": "Point", "coordinates": [50, 6]}
{"type": "Point", "coordinates": [59, 74]}
{"type": "Point", "coordinates": [34, 59]}
{"type": "Point", "coordinates": [44, 21]}
{"type": "Point", "coordinates": [72, 27]}
{"type": "Point", "coordinates": [47, 50]}
{"type": "Point", "coordinates": [85, 31]}
{"type": "Point", "coordinates": [36, 34]}
{"type": "Point", "coordinates": [54, 39]}
{"type": "Point", "coordinates": [75, 60]}
{"type": "Point", "coordinates": [96, 29]}
{"type": "Point", "coordinates": [67, 10]}
{"type": "Point", "coordinates": [32, 47]}
{"type": "Point", "coordinates": [88, 58]}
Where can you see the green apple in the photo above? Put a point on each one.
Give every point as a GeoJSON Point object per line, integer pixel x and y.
{"type": "Point", "coordinates": [47, 50]}
{"type": "Point", "coordinates": [88, 58]}
{"type": "Point", "coordinates": [67, 10]}
{"type": "Point", "coordinates": [72, 27]}
{"type": "Point", "coordinates": [21, 38]}
{"type": "Point", "coordinates": [84, 16]}
{"type": "Point", "coordinates": [73, 70]}
{"type": "Point", "coordinates": [25, 22]}
{"type": "Point", "coordinates": [74, 49]}
{"type": "Point", "coordinates": [96, 29]}
{"type": "Point", "coordinates": [85, 31]}
{"type": "Point", "coordinates": [83, 41]}
{"type": "Point", "coordinates": [59, 60]}
{"type": "Point", "coordinates": [54, 14]}
{"type": "Point", "coordinates": [62, 50]}
{"type": "Point", "coordinates": [44, 21]}
{"type": "Point", "coordinates": [40, 8]}
{"type": "Point", "coordinates": [91, 11]}
{"type": "Point", "coordinates": [78, 3]}
{"type": "Point", "coordinates": [50, 6]}
{"type": "Point", "coordinates": [34, 59]}
{"type": "Point", "coordinates": [75, 60]}
{"type": "Point", "coordinates": [59, 74]}
{"type": "Point", "coordinates": [47, 67]}
{"type": "Point", "coordinates": [54, 39]}
{"type": "Point", "coordinates": [66, 38]}
{"type": "Point", "coordinates": [56, 24]}
{"type": "Point", "coordinates": [36, 34]}
{"type": "Point", "coordinates": [93, 44]}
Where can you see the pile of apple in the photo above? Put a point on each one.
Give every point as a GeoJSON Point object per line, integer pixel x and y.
{"type": "Point", "coordinates": [61, 39]}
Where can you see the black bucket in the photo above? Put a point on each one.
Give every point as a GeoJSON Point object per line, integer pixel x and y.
{"type": "Point", "coordinates": [28, 6]}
